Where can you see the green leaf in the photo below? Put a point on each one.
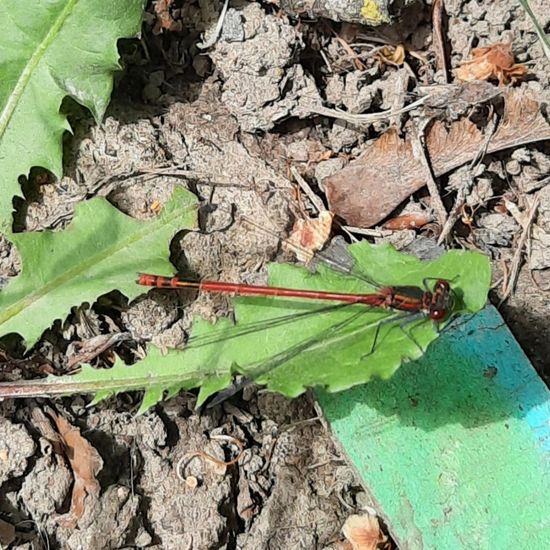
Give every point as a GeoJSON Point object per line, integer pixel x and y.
{"type": "Point", "coordinates": [49, 50]}
{"type": "Point", "coordinates": [289, 344]}
{"type": "Point", "coordinates": [335, 349]}
{"type": "Point", "coordinates": [101, 250]}
{"type": "Point", "coordinates": [156, 373]}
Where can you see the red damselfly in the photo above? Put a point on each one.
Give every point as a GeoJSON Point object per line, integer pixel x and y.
{"type": "Point", "coordinates": [435, 304]}
{"type": "Point", "coordinates": [401, 305]}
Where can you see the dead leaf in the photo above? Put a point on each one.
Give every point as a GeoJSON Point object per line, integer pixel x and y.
{"type": "Point", "coordinates": [451, 101]}
{"type": "Point", "coordinates": [496, 61]}
{"type": "Point", "coordinates": [393, 55]}
{"type": "Point", "coordinates": [408, 221]}
{"type": "Point", "coordinates": [310, 235]}
{"type": "Point", "coordinates": [363, 532]}
{"type": "Point", "coordinates": [372, 186]}
{"type": "Point", "coordinates": [87, 350]}
{"type": "Point", "coordinates": [85, 463]}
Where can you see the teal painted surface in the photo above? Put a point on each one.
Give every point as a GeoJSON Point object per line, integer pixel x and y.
{"type": "Point", "coordinates": [454, 452]}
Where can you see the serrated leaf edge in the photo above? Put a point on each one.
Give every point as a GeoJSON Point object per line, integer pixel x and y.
{"type": "Point", "coordinates": [60, 280]}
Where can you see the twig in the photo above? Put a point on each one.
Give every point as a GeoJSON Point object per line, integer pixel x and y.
{"type": "Point", "coordinates": [420, 154]}
{"type": "Point", "coordinates": [465, 190]}
{"type": "Point", "coordinates": [516, 260]}
{"type": "Point", "coordinates": [217, 31]}
{"type": "Point", "coordinates": [366, 118]}
{"type": "Point", "coordinates": [305, 187]}
{"type": "Point", "coordinates": [356, 61]}
{"type": "Point", "coordinates": [350, 235]}
{"type": "Point", "coordinates": [104, 185]}
{"type": "Point", "coordinates": [95, 346]}
{"type": "Point", "coordinates": [187, 457]}
{"type": "Point", "coordinates": [539, 184]}
{"type": "Point", "coordinates": [457, 208]}
{"type": "Point", "coordinates": [438, 40]}
{"type": "Point", "coordinates": [367, 232]}
{"type": "Point", "coordinates": [326, 60]}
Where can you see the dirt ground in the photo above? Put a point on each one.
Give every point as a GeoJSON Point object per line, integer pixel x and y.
{"type": "Point", "coordinates": [230, 122]}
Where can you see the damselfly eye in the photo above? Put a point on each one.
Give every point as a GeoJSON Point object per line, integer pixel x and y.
{"type": "Point", "coordinates": [437, 314]}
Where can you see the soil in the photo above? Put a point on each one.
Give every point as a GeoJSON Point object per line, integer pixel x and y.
{"type": "Point", "coordinates": [228, 122]}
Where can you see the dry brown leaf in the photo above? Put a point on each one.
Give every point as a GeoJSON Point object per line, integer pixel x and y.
{"type": "Point", "coordinates": [363, 532]}
{"type": "Point", "coordinates": [496, 61]}
{"type": "Point", "coordinates": [310, 235]}
{"type": "Point", "coordinates": [372, 186]}
{"type": "Point", "coordinates": [408, 221]}
{"type": "Point", "coordinates": [394, 55]}
{"type": "Point", "coordinates": [85, 463]}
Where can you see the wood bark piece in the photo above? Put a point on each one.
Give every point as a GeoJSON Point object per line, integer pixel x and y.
{"type": "Point", "coordinates": [387, 172]}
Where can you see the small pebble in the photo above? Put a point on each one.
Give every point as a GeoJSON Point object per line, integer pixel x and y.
{"type": "Point", "coordinates": [192, 482]}
{"type": "Point", "coordinates": [513, 167]}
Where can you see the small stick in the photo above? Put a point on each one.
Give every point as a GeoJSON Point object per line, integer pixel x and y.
{"type": "Point", "coordinates": [438, 39]}
{"type": "Point", "coordinates": [96, 346]}
{"type": "Point", "coordinates": [187, 457]}
{"type": "Point", "coordinates": [326, 60]}
{"type": "Point", "coordinates": [217, 31]}
{"type": "Point", "coordinates": [468, 185]}
{"type": "Point", "coordinates": [456, 209]}
{"type": "Point", "coordinates": [539, 184]}
{"type": "Point", "coordinates": [305, 187]}
{"type": "Point", "coordinates": [367, 232]}
{"type": "Point", "coordinates": [420, 154]}
{"type": "Point", "coordinates": [366, 118]}
{"type": "Point", "coordinates": [356, 61]}
{"type": "Point", "coordinates": [516, 260]}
